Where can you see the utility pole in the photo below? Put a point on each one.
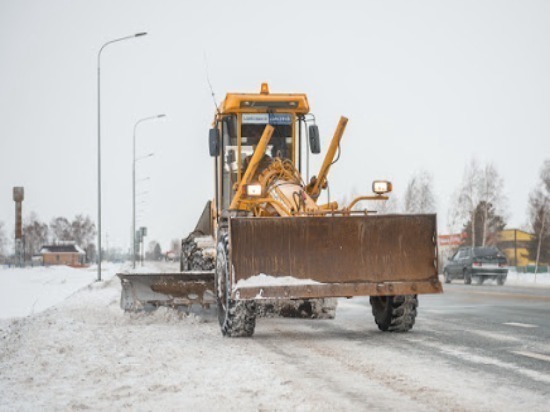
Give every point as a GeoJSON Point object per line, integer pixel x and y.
{"type": "Point", "coordinates": [99, 146]}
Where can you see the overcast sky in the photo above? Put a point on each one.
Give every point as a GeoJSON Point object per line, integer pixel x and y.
{"type": "Point", "coordinates": [425, 85]}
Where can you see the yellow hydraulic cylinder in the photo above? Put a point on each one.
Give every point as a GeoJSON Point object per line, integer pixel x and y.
{"type": "Point", "coordinates": [253, 165]}
{"type": "Point", "coordinates": [329, 158]}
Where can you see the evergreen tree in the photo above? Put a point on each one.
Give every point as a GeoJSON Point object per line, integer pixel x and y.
{"type": "Point", "coordinates": [484, 229]}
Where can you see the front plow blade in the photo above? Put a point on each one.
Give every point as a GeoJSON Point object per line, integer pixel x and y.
{"type": "Point", "coordinates": [147, 291]}
{"type": "Point", "coordinates": [333, 256]}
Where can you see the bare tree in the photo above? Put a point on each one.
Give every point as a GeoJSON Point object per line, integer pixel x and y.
{"type": "Point", "coordinates": [419, 197]}
{"type": "Point", "coordinates": [35, 234]}
{"type": "Point", "coordinates": [389, 206]}
{"type": "Point", "coordinates": [83, 230]}
{"type": "Point", "coordinates": [492, 197]}
{"type": "Point", "coordinates": [539, 218]}
{"type": "Point", "coordinates": [60, 229]}
{"type": "Point", "coordinates": [469, 196]}
{"type": "Point", "coordinates": [481, 190]}
{"type": "Point", "coordinates": [455, 215]}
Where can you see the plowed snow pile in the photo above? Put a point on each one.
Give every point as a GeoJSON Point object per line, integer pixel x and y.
{"type": "Point", "coordinates": [86, 353]}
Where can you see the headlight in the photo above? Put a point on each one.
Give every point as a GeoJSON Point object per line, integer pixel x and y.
{"type": "Point", "coordinates": [381, 186]}
{"type": "Point", "coordinates": [254, 190]}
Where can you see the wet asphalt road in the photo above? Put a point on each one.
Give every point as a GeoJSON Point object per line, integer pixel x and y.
{"type": "Point", "coordinates": [507, 325]}
{"type": "Point", "coordinates": [472, 348]}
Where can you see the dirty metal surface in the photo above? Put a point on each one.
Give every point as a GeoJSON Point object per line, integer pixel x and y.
{"type": "Point", "coordinates": [338, 290]}
{"type": "Point", "coordinates": [149, 290]}
{"type": "Point", "coordinates": [361, 250]}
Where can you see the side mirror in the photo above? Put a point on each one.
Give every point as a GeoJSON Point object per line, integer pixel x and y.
{"type": "Point", "coordinates": [214, 142]}
{"type": "Point", "coordinates": [314, 140]}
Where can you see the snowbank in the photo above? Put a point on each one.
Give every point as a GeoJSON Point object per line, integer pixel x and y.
{"type": "Point", "coordinates": [25, 291]}
{"type": "Point", "coordinates": [528, 279]}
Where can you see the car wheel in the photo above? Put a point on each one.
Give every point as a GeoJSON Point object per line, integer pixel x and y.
{"type": "Point", "coordinates": [479, 280]}
{"type": "Point", "coordinates": [447, 276]}
{"type": "Point", "coordinates": [467, 277]}
{"type": "Point", "coordinates": [501, 280]}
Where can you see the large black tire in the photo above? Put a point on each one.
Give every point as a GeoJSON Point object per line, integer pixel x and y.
{"type": "Point", "coordinates": [479, 280]}
{"type": "Point", "coordinates": [192, 257]}
{"type": "Point", "coordinates": [236, 317]}
{"type": "Point", "coordinates": [394, 313]}
{"type": "Point", "coordinates": [467, 277]}
{"type": "Point", "coordinates": [501, 280]}
{"type": "Point", "coordinates": [447, 276]}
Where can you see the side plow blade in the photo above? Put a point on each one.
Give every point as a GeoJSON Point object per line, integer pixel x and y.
{"type": "Point", "coordinates": [147, 291]}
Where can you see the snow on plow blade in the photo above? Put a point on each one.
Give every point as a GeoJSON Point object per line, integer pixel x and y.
{"type": "Point", "coordinates": [333, 256]}
{"type": "Point", "coordinates": [147, 291]}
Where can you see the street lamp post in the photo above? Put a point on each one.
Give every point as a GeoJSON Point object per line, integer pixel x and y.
{"type": "Point", "coordinates": [158, 116]}
{"type": "Point", "coordinates": [99, 146]}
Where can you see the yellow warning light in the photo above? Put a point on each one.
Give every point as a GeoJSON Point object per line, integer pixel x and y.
{"type": "Point", "coordinates": [264, 89]}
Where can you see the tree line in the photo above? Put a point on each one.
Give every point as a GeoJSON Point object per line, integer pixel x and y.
{"type": "Point", "coordinates": [478, 207]}
{"type": "Point", "coordinates": [81, 230]}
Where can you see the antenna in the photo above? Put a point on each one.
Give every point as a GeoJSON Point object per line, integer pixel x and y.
{"type": "Point", "coordinates": [209, 83]}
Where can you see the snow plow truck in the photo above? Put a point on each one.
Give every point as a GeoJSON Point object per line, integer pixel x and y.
{"type": "Point", "coordinates": [265, 240]}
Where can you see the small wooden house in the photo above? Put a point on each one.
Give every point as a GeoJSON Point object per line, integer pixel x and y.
{"type": "Point", "coordinates": [68, 254]}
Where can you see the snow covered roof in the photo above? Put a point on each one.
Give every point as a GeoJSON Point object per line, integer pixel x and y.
{"type": "Point", "coordinates": [63, 248]}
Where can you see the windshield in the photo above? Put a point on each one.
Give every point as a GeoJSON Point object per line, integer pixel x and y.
{"type": "Point", "coordinates": [253, 125]}
{"type": "Point", "coordinates": [233, 163]}
{"type": "Point", "coordinates": [486, 251]}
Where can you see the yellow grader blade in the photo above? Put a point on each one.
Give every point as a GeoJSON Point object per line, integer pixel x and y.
{"type": "Point", "coordinates": [333, 256]}
{"type": "Point", "coordinates": [147, 291]}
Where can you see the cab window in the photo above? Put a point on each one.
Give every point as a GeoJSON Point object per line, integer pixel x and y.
{"type": "Point", "coordinates": [253, 126]}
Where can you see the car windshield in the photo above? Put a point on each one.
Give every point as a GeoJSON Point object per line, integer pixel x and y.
{"type": "Point", "coordinates": [486, 251]}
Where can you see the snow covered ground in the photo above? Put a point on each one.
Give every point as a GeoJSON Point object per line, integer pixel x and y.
{"type": "Point", "coordinates": [25, 291]}
{"type": "Point", "coordinates": [84, 352]}
{"type": "Point", "coordinates": [528, 279]}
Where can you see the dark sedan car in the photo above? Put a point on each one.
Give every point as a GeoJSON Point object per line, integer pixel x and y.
{"type": "Point", "coordinates": [478, 263]}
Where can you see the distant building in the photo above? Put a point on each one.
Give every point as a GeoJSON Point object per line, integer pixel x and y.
{"type": "Point", "coordinates": [451, 240]}
{"type": "Point", "coordinates": [67, 253]}
{"type": "Point", "coordinates": [513, 243]}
